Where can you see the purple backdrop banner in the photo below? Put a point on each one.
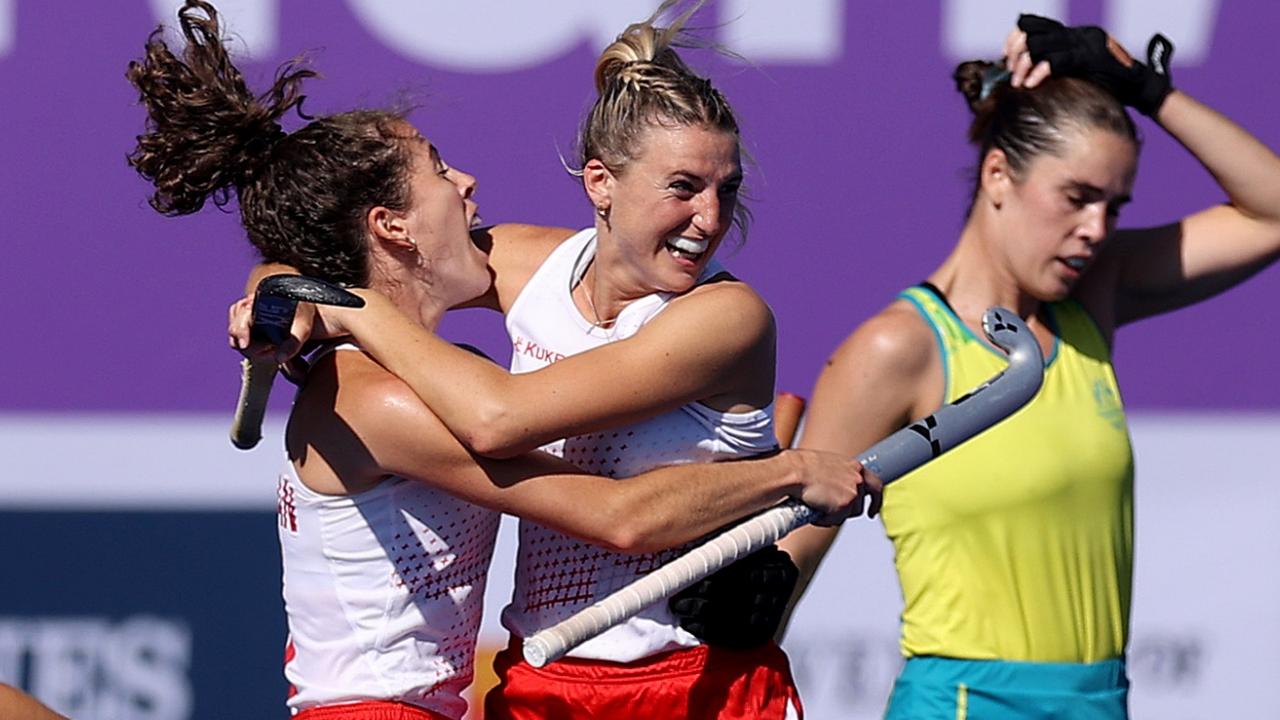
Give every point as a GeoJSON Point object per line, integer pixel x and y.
{"type": "Point", "coordinates": [859, 185]}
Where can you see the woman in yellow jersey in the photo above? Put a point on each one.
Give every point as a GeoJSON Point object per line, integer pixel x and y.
{"type": "Point", "coordinates": [1014, 552]}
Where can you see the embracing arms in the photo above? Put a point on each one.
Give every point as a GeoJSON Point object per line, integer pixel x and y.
{"type": "Point", "coordinates": [715, 344]}
{"type": "Point", "coordinates": [346, 436]}
{"type": "Point", "coordinates": [709, 343]}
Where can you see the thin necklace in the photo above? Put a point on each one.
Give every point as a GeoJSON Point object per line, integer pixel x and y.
{"type": "Point", "coordinates": [602, 324]}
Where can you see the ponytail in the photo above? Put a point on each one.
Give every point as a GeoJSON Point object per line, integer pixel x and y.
{"type": "Point", "coordinates": [207, 134]}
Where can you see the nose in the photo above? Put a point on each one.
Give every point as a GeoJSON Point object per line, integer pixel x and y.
{"type": "Point", "coordinates": [708, 218]}
{"type": "Point", "coordinates": [465, 182]}
{"type": "Point", "coordinates": [1095, 225]}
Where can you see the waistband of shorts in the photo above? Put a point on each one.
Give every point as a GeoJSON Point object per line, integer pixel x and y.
{"type": "Point", "coordinates": [994, 674]}
{"type": "Point", "coordinates": [368, 710]}
{"type": "Point", "coordinates": [683, 661]}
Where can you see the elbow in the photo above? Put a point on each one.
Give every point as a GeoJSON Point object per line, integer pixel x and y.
{"type": "Point", "coordinates": [487, 443]}
{"type": "Point", "coordinates": [489, 430]}
{"type": "Point", "coordinates": [622, 519]}
{"type": "Point", "coordinates": [625, 541]}
{"type": "Point", "coordinates": [631, 533]}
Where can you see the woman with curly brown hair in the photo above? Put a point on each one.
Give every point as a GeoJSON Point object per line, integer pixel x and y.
{"type": "Point", "coordinates": [387, 522]}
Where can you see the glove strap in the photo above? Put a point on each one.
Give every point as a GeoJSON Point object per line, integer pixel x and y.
{"type": "Point", "coordinates": [1157, 85]}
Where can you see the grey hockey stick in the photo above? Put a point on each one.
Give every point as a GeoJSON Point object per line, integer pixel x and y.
{"type": "Point", "coordinates": [891, 458]}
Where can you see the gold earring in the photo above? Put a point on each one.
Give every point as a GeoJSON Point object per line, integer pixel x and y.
{"type": "Point", "coordinates": [413, 246]}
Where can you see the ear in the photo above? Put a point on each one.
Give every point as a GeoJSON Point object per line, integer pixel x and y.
{"type": "Point", "coordinates": [598, 181]}
{"type": "Point", "coordinates": [996, 177]}
{"type": "Point", "coordinates": [388, 227]}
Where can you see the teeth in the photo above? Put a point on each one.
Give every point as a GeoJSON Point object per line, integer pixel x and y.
{"type": "Point", "coordinates": [1076, 263]}
{"type": "Point", "coordinates": [689, 245]}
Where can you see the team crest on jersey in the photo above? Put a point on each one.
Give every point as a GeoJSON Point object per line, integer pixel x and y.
{"type": "Point", "coordinates": [1108, 404]}
{"type": "Point", "coordinates": [286, 511]}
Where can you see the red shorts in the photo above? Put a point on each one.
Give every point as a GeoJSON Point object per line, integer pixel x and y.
{"type": "Point", "coordinates": [695, 684]}
{"type": "Point", "coordinates": [369, 710]}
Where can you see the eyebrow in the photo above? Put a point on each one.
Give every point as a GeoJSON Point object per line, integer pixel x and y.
{"type": "Point", "coordinates": [1096, 191]}
{"type": "Point", "coordinates": [434, 154]}
{"type": "Point", "coordinates": [736, 177]}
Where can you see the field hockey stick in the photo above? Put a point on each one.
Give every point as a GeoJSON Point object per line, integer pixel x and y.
{"type": "Point", "coordinates": [891, 458]}
{"type": "Point", "coordinates": [274, 304]}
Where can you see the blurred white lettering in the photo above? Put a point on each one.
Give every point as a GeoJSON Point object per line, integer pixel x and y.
{"type": "Point", "coordinates": [6, 26]}
{"type": "Point", "coordinates": [803, 32]}
{"type": "Point", "coordinates": [149, 661]}
{"type": "Point", "coordinates": [95, 668]}
{"type": "Point", "coordinates": [1188, 23]}
{"type": "Point", "coordinates": [11, 651]}
{"type": "Point", "coordinates": [493, 35]}
{"type": "Point", "coordinates": [252, 25]}
{"type": "Point", "coordinates": [976, 28]}
{"type": "Point", "coordinates": [496, 35]}
{"type": "Point", "coordinates": [850, 669]}
{"type": "Point", "coordinates": [63, 655]}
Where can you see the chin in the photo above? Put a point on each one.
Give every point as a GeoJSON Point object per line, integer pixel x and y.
{"type": "Point", "coordinates": [678, 286]}
{"type": "Point", "coordinates": [1057, 294]}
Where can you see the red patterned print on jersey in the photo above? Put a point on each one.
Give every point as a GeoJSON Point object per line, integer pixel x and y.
{"type": "Point", "coordinates": [286, 511]}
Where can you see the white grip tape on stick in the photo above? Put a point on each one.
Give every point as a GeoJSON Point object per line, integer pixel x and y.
{"type": "Point", "coordinates": [759, 532]}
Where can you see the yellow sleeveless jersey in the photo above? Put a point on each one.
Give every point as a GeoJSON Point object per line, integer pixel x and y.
{"type": "Point", "coordinates": [1018, 545]}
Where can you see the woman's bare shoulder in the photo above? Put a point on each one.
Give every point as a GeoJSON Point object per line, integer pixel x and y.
{"type": "Point", "coordinates": [516, 251]}
{"type": "Point", "coordinates": [895, 344]}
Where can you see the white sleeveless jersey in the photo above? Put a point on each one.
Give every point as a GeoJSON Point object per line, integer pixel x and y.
{"type": "Point", "coordinates": [557, 575]}
{"type": "Point", "coordinates": [383, 591]}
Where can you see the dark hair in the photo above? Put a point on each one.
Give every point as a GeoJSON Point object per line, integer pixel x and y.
{"type": "Point", "coordinates": [642, 82]}
{"type": "Point", "coordinates": [1026, 123]}
{"type": "Point", "coordinates": [303, 196]}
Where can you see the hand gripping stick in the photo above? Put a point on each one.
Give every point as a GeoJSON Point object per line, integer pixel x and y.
{"type": "Point", "coordinates": [274, 304]}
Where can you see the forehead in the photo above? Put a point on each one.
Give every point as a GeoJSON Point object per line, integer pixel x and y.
{"type": "Point", "coordinates": [1096, 157]}
{"type": "Point", "coordinates": [418, 143]}
{"type": "Point", "coordinates": [692, 148]}
{"type": "Point", "coordinates": [423, 156]}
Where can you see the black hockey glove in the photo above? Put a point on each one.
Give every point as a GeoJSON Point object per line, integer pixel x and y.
{"type": "Point", "coordinates": [740, 606]}
{"type": "Point", "coordinates": [1089, 52]}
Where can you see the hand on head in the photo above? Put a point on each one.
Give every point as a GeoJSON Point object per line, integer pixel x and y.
{"type": "Point", "coordinates": [1039, 46]}
{"type": "Point", "coordinates": [1024, 72]}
